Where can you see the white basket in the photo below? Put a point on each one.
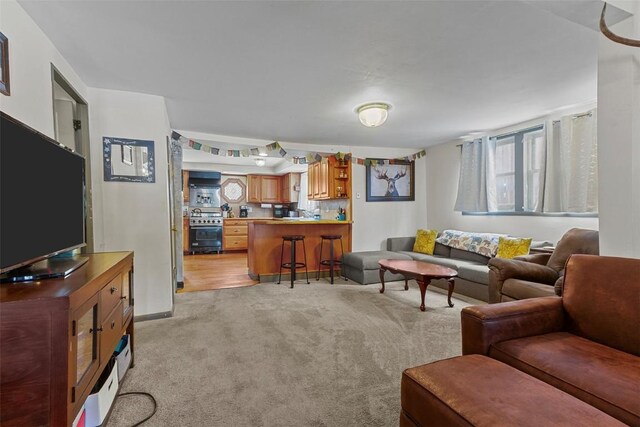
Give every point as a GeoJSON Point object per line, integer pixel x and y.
{"type": "Point", "coordinates": [98, 404]}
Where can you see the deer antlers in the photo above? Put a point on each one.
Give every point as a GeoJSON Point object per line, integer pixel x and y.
{"type": "Point", "coordinates": [383, 174]}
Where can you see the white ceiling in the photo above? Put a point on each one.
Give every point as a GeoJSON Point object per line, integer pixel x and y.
{"type": "Point", "coordinates": [296, 71]}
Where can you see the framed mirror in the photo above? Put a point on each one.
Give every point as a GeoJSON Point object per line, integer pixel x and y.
{"type": "Point", "coordinates": [129, 160]}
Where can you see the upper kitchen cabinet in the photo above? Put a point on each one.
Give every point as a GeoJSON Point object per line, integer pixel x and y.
{"type": "Point", "coordinates": [290, 187]}
{"type": "Point", "coordinates": [329, 179]}
{"type": "Point", "coordinates": [270, 189]}
{"type": "Point", "coordinates": [253, 188]}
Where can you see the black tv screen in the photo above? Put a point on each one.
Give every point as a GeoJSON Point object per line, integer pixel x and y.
{"type": "Point", "coordinates": [41, 196]}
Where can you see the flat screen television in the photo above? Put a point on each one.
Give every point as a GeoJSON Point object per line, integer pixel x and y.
{"type": "Point", "coordinates": [42, 204]}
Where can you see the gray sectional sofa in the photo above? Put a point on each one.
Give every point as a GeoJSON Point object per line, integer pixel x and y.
{"type": "Point", "coordinates": [473, 272]}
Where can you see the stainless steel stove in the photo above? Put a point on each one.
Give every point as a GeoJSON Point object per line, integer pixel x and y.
{"type": "Point", "coordinates": [205, 231]}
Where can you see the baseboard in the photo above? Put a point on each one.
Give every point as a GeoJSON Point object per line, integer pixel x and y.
{"type": "Point", "coordinates": [153, 316]}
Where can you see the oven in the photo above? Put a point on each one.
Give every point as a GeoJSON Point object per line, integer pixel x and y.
{"type": "Point", "coordinates": [205, 231]}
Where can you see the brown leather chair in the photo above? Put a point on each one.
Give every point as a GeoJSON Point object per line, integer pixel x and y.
{"type": "Point", "coordinates": [538, 275]}
{"type": "Point", "coordinates": [585, 343]}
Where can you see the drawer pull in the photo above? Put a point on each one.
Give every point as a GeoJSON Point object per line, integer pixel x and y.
{"type": "Point", "coordinates": [113, 289]}
{"type": "Point", "coordinates": [123, 297]}
{"type": "Point", "coordinates": [95, 330]}
{"type": "Point", "coordinates": [113, 324]}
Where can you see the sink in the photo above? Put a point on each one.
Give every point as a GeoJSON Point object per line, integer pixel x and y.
{"type": "Point", "coordinates": [299, 219]}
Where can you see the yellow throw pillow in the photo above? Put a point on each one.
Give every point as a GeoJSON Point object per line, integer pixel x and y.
{"type": "Point", "coordinates": [425, 241]}
{"type": "Point", "coordinates": [511, 247]}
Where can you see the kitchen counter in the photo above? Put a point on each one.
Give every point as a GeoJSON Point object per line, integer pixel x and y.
{"type": "Point", "coordinates": [265, 245]}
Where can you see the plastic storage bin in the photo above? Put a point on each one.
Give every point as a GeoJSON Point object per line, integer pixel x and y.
{"type": "Point", "coordinates": [102, 396]}
{"type": "Point", "coordinates": [123, 356]}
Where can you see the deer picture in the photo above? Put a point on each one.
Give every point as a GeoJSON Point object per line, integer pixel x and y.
{"type": "Point", "coordinates": [391, 182]}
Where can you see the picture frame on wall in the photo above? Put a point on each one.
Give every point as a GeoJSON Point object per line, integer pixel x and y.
{"type": "Point", "coordinates": [390, 180]}
{"type": "Point", "coordinates": [4, 65]}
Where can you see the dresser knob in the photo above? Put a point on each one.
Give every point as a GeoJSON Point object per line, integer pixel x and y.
{"type": "Point", "coordinates": [113, 289]}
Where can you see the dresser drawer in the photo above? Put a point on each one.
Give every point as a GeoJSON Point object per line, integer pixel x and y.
{"type": "Point", "coordinates": [236, 230]}
{"type": "Point", "coordinates": [110, 334]}
{"type": "Point", "coordinates": [110, 296]}
{"type": "Point", "coordinates": [235, 242]}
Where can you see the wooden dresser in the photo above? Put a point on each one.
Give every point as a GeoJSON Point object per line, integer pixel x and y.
{"type": "Point", "coordinates": [57, 335]}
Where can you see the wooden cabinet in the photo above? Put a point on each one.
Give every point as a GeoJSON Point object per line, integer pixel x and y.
{"type": "Point", "coordinates": [270, 189]}
{"type": "Point", "coordinates": [253, 188]}
{"type": "Point", "coordinates": [185, 235]}
{"type": "Point", "coordinates": [57, 337]}
{"type": "Point", "coordinates": [290, 187]}
{"type": "Point", "coordinates": [329, 179]}
{"type": "Point", "coordinates": [234, 234]}
{"type": "Point", "coordinates": [185, 187]}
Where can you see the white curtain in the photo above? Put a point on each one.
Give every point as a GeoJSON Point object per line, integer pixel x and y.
{"type": "Point", "coordinates": [476, 186]}
{"type": "Point", "coordinates": [572, 165]}
{"type": "Point", "coordinates": [534, 165]}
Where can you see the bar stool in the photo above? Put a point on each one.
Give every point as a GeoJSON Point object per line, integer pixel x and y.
{"type": "Point", "coordinates": [292, 265]}
{"type": "Point", "coordinates": [331, 262]}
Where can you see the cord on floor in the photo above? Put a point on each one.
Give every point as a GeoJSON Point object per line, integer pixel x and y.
{"type": "Point", "coordinates": [142, 393]}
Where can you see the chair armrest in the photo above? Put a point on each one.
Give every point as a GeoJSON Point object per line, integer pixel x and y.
{"type": "Point", "coordinates": [501, 269]}
{"type": "Point", "coordinates": [523, 270]}
{"type": "Point", "coordinates": [540, 259]}
{"type": "Point", "coordinates": [484, 325]}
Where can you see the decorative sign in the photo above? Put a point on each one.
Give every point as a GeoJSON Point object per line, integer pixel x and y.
{"type": "Point", "coordinates": [128, 160]}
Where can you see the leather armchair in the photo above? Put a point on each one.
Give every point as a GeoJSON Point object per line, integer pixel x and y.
{"type": "Point", "coordinates": [538, 275]}
{"type": "Point", "coordinates": [585, 343]}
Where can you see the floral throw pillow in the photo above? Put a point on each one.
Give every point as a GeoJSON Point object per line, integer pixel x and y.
{"type": "Point", "coordinates": [425, 241]}
{"type": "Point", "coordinates": [511, 247]}
{"type": "Point", "coordinates": [481, 243]}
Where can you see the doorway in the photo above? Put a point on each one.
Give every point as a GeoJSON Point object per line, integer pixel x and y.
{"type": "Point", "coordinates": [71, 128]}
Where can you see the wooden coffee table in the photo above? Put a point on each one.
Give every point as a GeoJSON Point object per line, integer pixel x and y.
{"type": "Point", "coordinates": [422, 272]}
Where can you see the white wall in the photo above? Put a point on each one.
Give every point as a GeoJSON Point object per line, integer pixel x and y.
{"type": "Point", "coordinates": [619, 139]}
{"type": "Point", "coordinates": [31, 54]}
{"type": "Point", "coordinates": [443, 169]}
{"type": "Point", "coordinates": [134, 216]}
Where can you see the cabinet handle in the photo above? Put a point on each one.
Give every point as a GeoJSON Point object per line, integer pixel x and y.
{"type": "Point", "coordinates": [95, 330]}
{"type": "Point", "coordinates": [113, 324]}
{"type": "Point", "coordinates": [123, 297]}
{"type": "Point", "coordinates": [113, 289]}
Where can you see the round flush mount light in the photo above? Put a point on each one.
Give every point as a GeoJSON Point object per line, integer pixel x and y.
{"type": "Point", "coordinates": [373, 114]}
{"type": "Point", "coordinates": [263, 154]}
{"type": "Point", "coordinates": [260, 161]}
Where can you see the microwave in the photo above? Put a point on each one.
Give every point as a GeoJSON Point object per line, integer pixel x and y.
{"type": "Point", "coordinates": [280, 211]}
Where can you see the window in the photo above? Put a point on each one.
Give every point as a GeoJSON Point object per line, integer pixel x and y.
{"type": "Point", "coordinates": [519, 170]}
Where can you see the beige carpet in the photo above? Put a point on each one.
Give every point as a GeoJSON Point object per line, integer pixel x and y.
{"type": "Point", "coordinates": [315, 355]}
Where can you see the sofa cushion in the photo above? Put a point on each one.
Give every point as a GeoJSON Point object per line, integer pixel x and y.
{"type": "Point", "coordinates": [523, 289]}
{"type": "Point", "coordinates": [442, 250]}
{"type": "Point", "coordinates": [600, 296]}
{"type": "Point", "coordinates": [602, 376]}
{"type": "Point", "coordinates": [469, 256]}
{"type": "Point", "coordinates": [368, 260]}
{"type": "Point", "coordinates": [474, 273]}
{"type": "Point", "coordinates": [477, 391]}
{"type": "Point", "coordinates": [433, 259]}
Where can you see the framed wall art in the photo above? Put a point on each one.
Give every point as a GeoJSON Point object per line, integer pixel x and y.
{"type": "Point", "coordinates": [390, 180]}
{"type": "Point", "coordinates": [129, 160]}
{"type": "Point", "coordinates": [4, 65]}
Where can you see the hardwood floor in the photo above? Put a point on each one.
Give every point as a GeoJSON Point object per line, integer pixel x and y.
{"type": "Point", "coordinates": [213, 271]}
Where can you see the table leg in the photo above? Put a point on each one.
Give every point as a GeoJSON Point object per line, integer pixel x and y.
{"type": "Point", "coordinates": [406, 284]}
{"type": "Point", "coordinates": [382, 270]}
{"type": "Point", "coordinates": [452, 283]}
{"type": "Point", "coordinates": [423, 290]}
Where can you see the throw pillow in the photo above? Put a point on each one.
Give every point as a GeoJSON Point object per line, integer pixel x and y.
{"type": "Point", "coordinates": [425, 241]}
{"type": "Point", "coordinates": [510, 247]}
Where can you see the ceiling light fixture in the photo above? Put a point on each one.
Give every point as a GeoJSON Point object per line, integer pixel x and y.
{"type": "Point", "coordinates": [263, 154]}
{"type": "Point", "coordinates": [373, 114]}
{"type": "Point", "coordinates": [260, 162]}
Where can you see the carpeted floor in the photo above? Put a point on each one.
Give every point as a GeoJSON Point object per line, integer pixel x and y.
{"type": "Point", "coordinates": [315, 355]}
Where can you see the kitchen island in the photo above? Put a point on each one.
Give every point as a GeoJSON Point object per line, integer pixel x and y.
{"type": "Point", "coordinates": [265, 245]}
